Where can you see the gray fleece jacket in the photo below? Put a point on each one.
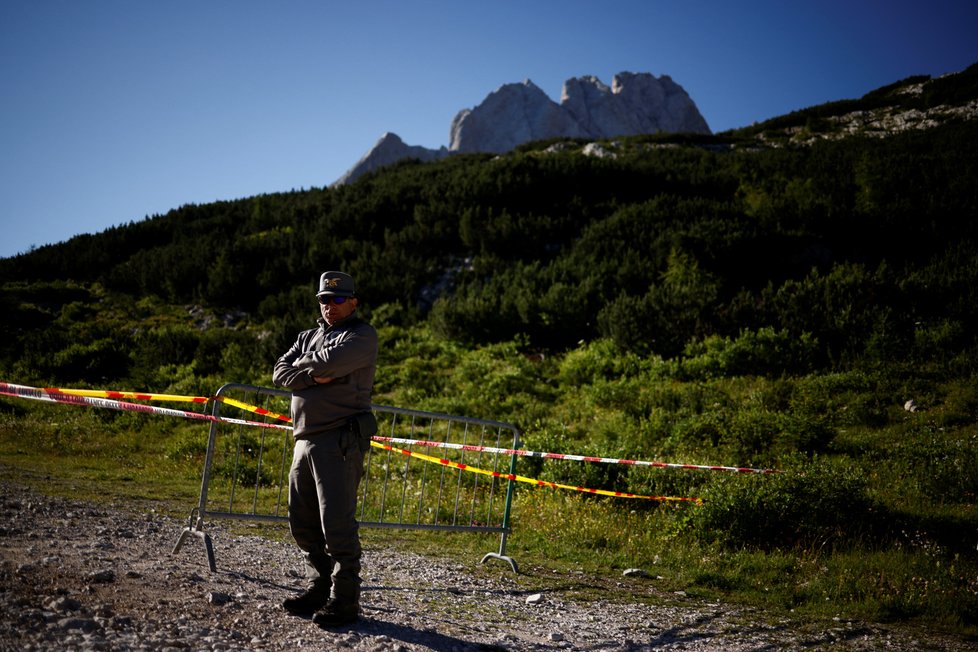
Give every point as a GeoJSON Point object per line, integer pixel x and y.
{"type": "Point", "coordinates": [346, 352]}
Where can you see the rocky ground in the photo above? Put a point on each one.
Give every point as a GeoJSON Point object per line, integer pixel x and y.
{"type": "Point", "coordinates": [80, 576]}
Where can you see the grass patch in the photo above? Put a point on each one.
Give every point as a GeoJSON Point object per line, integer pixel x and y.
{"type": "Point", "coordinates": [99, 455]}
{"type": "Point", "coordinates": [872, 518]}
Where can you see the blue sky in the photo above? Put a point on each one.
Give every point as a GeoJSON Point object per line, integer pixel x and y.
{"type": "Point", "coordinates": [113, 110]}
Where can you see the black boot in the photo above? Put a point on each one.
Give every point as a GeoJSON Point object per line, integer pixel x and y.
{"type": "Point", "coordinates": [307, 603]}
{"type": "Point", "coordinates": [335, 613]}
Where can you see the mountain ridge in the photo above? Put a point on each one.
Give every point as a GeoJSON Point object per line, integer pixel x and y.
{"type": "Point", "coordinates": [517, 113]}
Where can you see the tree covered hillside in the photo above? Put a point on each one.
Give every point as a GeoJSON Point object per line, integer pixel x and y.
{"type": "Point", "coordinates": [855, 243]}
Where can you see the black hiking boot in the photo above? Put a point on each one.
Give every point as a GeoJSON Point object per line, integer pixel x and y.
{"type": "Point", "coordinates": [335, 613]}
{"type": "Point", "coordinates": [306, 603]}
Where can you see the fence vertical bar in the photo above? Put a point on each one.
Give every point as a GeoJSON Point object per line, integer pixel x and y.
{"type": "Point", "coordinates": [506, 513]}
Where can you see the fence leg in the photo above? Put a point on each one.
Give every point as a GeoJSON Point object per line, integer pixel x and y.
{"type": "Point", "coordinates": [502, 555]}
{"type": "Point", "coordinates": [194, 528]}
{"type": "Point", "coordinates": [496, 555]}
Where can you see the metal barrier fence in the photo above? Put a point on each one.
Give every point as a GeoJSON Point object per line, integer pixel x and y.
{"type": "Point", "coordinates": [246, 470]}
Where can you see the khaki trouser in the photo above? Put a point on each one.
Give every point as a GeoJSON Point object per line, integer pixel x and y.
{"type": "Point", "coordinates": [326, 471]}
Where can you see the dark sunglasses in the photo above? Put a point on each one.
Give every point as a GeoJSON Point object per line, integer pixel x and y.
{"type": "Point", "coordinates": [327, 299]}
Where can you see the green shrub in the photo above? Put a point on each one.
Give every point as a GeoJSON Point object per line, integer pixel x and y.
{"type": "Point", "coordinates": [699, 430]}
{"type": "Point", "coordinates": [844, 398]}
{"type": "Point", "coordinates": [961, 404]}
{"type": "Point", "coordinates": [941, 467]}
{"type": "Point", "coordinates": [597, 360]}
{"type": "Point", "coordinates": [806, 433]}
{"type": "Point", "coordinates": [170, 344]}
{"type": "Point", "coordinates": [817, 505]}
{"type": "Point", "coordinates": [764, 352]}
{"type": "Point", "coordinates": [840, 308]}
{"type": "Point", "coordinates": [494, 382]}
{"type": "Point", "coordinates": [102, 359]}
{"type": "Point", "coordinates": [751, 434]}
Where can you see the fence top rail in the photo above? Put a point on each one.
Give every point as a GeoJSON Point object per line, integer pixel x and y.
{"type": "Point", "coordinates": [379, 408]}
{"type": "Point", "coordinates": [448, 417]}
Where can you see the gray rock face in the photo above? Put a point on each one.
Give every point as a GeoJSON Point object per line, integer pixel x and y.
{"type": "Point", "coordinates": [518, 113]}
{"type": "Point", "coordinates": [389, 149]}
{"type": "Point", "coordinates": [635, 104]}
{"type": "Point", "coordinates": [510, 116]}
{"type": "Point", "coordinates": [513, 114]}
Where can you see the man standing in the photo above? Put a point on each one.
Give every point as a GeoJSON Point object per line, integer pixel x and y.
{"type": "Point", "coordinates": [330, 371]}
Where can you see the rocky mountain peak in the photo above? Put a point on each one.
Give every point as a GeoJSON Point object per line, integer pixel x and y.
{"type": "Point", "coordinates": [636, 103]}
{"type": "Point", "coordinates": [516, 113]}
{"type": "Point", "coordinates": [511, 115]}
{"type": "Point", "coordinates": [386, 151]}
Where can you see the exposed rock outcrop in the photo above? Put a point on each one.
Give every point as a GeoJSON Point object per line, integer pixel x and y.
{"type": "Point", "coordinates": [510, 116]}
{"type": "Point", "coordinates": [635, 104]}
{"type": "Point", "coordinates": [513, 114]}
{"type": "Point", "coordinates": [389, 149]}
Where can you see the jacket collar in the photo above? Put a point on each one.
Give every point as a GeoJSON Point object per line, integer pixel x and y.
{"type": "Point", "coordinates": [353, 316]}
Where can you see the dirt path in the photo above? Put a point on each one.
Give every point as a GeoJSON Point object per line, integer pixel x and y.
{"type": "Point", "coordinates": [81, 576]}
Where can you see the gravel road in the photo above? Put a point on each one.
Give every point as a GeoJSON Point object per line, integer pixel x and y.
{"type": "Point", "coordinates": [81, 576]}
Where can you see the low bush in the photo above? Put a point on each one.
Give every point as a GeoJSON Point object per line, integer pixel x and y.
{"type": "Point", "coordinates": [764, 352]}
{"type": "Point", "coordinates": [816, 505]}
{"type": "Point", "coordinates": [935, 466]}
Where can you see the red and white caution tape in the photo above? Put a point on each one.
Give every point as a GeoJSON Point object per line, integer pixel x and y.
{"type": "Point", "coordinates": [150, 396]}
{"type": "Point", "coordinates": [57, 396]}
{"type": "Point", "coordinates": [577, 458]}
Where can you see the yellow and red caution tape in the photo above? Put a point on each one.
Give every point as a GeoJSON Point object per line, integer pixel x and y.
{"type": "Point", "coordinates": [138, 396]}
{"type": "Point", "coordinates": [96, 398]}
{"type": "Point", "coordinates": [253, 408]}
{"type": "Point", "coordinates": [539, 483]}
{"type": "Point", "coordinates": [149, 396]}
